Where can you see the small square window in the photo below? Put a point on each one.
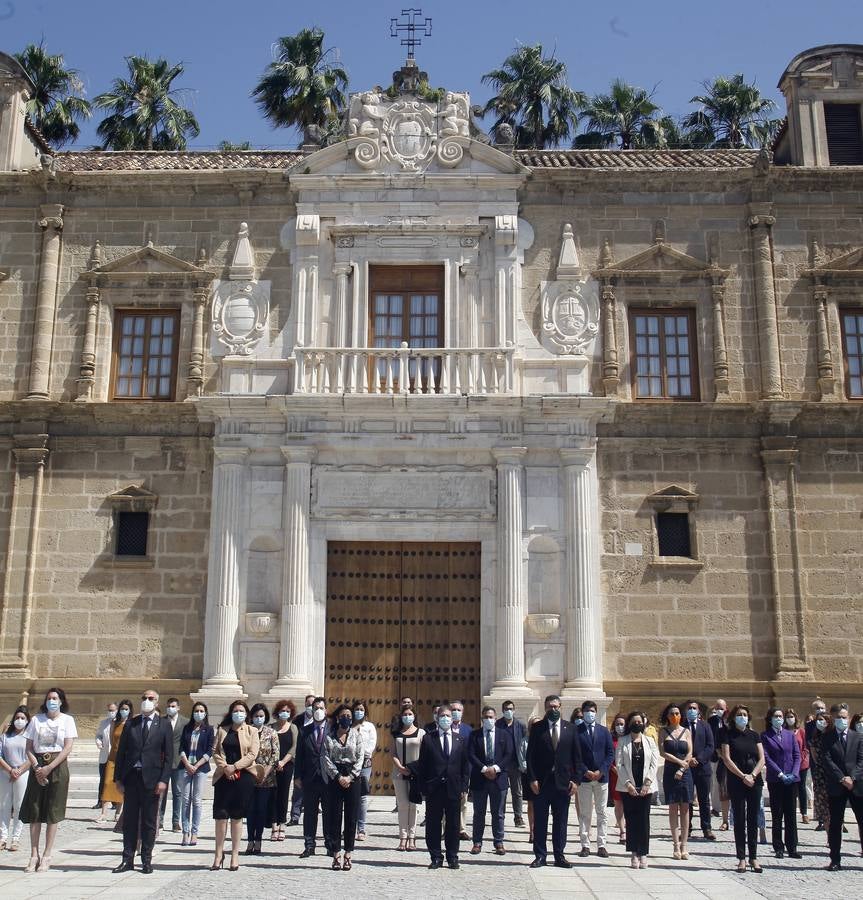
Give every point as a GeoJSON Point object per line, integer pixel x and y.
{"type": "Point", "coordinates": [672, 531]}
{"type": "Point", "coordinates": [132, 528]}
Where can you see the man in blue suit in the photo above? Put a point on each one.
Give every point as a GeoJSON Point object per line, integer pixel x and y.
{"type": "Point", "coordinates": [491, 752]}
{"type": "Point", "coordinates": [701, 765]}
{"type": "Point", "coordinates": [463, 730]}
{"type": "Point", "coordinates": [597, 756]}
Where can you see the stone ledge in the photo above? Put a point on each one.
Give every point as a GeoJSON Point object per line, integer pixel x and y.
{"type": "Point", "coordinates": [133, 563]}
{"type": "Point", "coordinates": [676, 562]}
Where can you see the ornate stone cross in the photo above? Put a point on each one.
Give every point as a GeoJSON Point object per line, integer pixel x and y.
{"type": "Point", "coordinates": [414, 22]}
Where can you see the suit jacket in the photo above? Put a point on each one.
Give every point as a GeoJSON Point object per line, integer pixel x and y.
{"type": "Point", "coordinates": [504, 757]}
{"type": "Point", "coordinates": [155, 754]}
{"type": "Point", "coordinates": [623, 761]}
{"type": "Point", "coordinates": [596, 754]}
{"type": "Point", "coordinates": [542, 760]}
{"type": "Point", "coordinates": [464, 731]}
{"type": "Point", "coordinates": [178, 726]}
{"type": "Point", "coordinates": [206, 743]}
{"type": "Point", "coordinates": [703, 747]}
{"type": "Point", "coordinates": [308, 759]}
{"type": "Point", "coordinates": [717, 726]}
{"type": "Point", "coordinates": [517, 729]}
{"type": "Point", "coordinates": [781, 754]}
{"type": "Point", "coordinates": [837, 765]}
{"type": "Point", "coordinates": [439, 773]}
{"type": "Point", "coordinates": [250, 745]}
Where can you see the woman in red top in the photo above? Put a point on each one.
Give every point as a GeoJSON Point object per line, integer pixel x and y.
{"type": "Point", "coordinates": [618, 727]}
{"type": "Point", "coordinates": [793, 723]}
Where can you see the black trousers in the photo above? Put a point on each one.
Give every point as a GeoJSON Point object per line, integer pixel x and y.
{"type": "Point", "coordinates": [343, 807]}
{"type": "Point", "coordinates": [488, 794]}
{"type": "Point", "coordinates": [702, 776]}
{"type": "Point", "coordinates": [296, 803]}
{"type": "Point", "coordinates": [636, 814]}
{"type": "Point", "coordinates": [102, 767]}
{"type": "Point", "coordinates": [551, 799]}
{"type": "Point", "coordinates": [801, 792]}
{"type": "Point", "coordinates": [260, 812]}
{"type": "Point", "coordinates": [438, 804]}
{"type": "Point", "coordinates": [837, 817]}
{"type": "Point", "coordinates": [283, 787]}
{"type": "Point", "coordinates": [783, 812]}
{"type": "Point", "coordinates": [745, 804]}
{"type": "Point", "coordinates": [140, 811]}
{"type": "Point", "coordinates": [314, 795]}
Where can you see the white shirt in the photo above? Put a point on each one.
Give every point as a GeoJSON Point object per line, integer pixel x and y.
{"type": "Point", "coordinates": [485, 752]}
{"type": "Point", "coordinates": [47, 734]}
{"type": "Point", "coordinates": [103, 738]}
{"type": "Point", "coordinates": [443, 734]}
{"type": "Point", "coordinates": [13, 749]}
{"type": "Point", "coordinates": [369, 734]}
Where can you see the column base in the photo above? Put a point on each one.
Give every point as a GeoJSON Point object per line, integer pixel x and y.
{"type": "Point", "coordinates": [574, 695]}
{"type": "Point", "coordinates": [288, 689]}
{"type": "Point", "coordinates": [794, 672]}
{"type": "Point", "coordinates": [214, 692]}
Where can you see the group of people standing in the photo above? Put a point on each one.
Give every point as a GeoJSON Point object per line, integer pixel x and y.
{"type": "Point", "coordinates": [720, 761]}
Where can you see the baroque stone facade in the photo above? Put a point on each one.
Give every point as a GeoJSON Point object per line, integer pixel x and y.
{"type": "Point", "coordinates": [292, 421]}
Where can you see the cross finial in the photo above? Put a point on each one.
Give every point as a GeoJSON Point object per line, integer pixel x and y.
{"type": "Point", "coordinates": [414, 24]}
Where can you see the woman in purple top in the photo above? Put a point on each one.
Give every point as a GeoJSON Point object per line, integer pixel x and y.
{"type": "Point", "coordinates": [782, 756]}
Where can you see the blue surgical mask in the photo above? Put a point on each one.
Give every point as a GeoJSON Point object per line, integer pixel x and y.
{"type": "Point", "coordinates": [407, 719]}
{"type": "Point", "coordinates": [284, 715]}
{"type": "Point", "coordinates": [859, 727]}
{"type": "Point", "coordinates": [741, 721]}
{"type": "Point", "coordinates": [820, 724]}
{"type": "Point", "coordinates": [359, 714]}
{"type": "Point", "coordinates": [124, 713]}
{"type": "Point", "coordinates": [259, 721]}
{"type": "Point", "coordinates": [173, 710]}
{"type": "Point", "coordinates": [488, 724]}
{"type": "Point", "coordinates": [456, 715]}
{"type": "Point", "coordinates": [238, 716]}
{"type": "Point", "coordinates": [790, 721]}
{"type": "Point", "coordinates": [590, 717]}
{"type": "Point", "coordinates": [308, 712]}
{"type": "Point", "coordinates": [199, 715]}
{"type": "Point", "coordinates": [509, 714]}
{"type": "Point", "coordinates": [444, 723]}
{"type": "Point", "coordinates": [52, 705]}
{"type": "Point", "coordinates": [345, 721]}
{"type": "Point", "coordinates": [777, 722]}
{"type": "Point", "coordinates": [840, 724]}
{"type": "Point", "coordinates": [692, 715]}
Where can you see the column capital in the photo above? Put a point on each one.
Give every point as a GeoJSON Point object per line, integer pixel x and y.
{"type": "Point", "coordinates": [299, 454]}
{"type": "Point", "coordinates": [51, 216]}
{"type": "Point", "coordinates": [230, 456]}
{"type": "Point", "coordinates": [342, 269]}
{"type": "Point", "coordinates": [31, 451]}
{"type": "Point", "coordinates": [509, 456]}
{"type": "Point", "coordinates": [760, 214]}
{"type": "Point", "coordinates": [578, 457]}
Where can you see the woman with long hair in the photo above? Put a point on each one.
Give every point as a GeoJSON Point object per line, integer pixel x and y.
{"type": "Point", "coordinates": [795, 726]}
{"type": "Point", "coordinates": [820, 801]}
{"type": "Point", "coordinates": [197, 742]}
{"type": "Point", "coordinates": [110, 793]}
{"type": "Point", "coordinates": [341, 764]}
{"type": "Point", "coordinates": [676, 750]}
{"type": "Point", "coordinates": [406, 750]}
{"type": "Point", "coordinates": [260, 814]}
{"type": "Point", "coordinates": [286, 731]}
{"type": "Point", "coordinates": [369, 735]}
{"type": "Point", "coordinates": [618, 729]}
{"type": "Point", "coordinates": [13, 778]}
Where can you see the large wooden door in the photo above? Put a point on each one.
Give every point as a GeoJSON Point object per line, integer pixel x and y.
{"type": "Point", "coordinates": [403, 619]}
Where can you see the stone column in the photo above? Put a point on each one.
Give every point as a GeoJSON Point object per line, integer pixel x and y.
{"type": "Point", "coordinates": [342, 272]}
{"type": "Point", "coordinates": [583, 601]}
{"type": "Point", "coordinates": [296, 650]}
{"type": "Point", "coordinates": [779, 456]}
{"type": "Point", "coordinates": [30, 454]}
{"type": "Point", "coordinates": [610, 369]}
{"type": "Point", "coordinates": [720, 350]}
{"type": "Point", "coordinates": [223, 577]}
{"type": "Point", "coordinates": [761, 220]}
{"type": "Point", "coordinates": [826, 375]}
{"type": "Point", "coordinates": [51, 224]}
{"type": "Point", "coordinates": [195, 378]}
{"type": "Point", "coordinates": [87, 371]}
{"type": "Point", "coordinates": [510, 607]}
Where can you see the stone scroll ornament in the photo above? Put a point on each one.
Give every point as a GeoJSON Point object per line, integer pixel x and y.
{"type": "Point", "coordinates": [408, 132]}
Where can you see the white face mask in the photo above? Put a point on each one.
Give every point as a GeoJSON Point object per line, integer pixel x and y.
{"type": "Point", "coordinates": [620, 728]}
{"type": "Point", "coordinates": [319, 715]}
{"type": "Point", "coordinates": [147, 706]}
{"type": "Point", "coordinates": [173, 710]}
{"type": "Point", "coordinates": [20, 724]}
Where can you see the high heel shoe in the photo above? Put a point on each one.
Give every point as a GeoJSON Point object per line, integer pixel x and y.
{"type": "Point", "coordinates": [233, 868]}
{"type": "Point", "coordinates": [337, 864]}
{"type": "Point", "coordinates": [676, 853]}
{"type": "Point", "coordinates": [346, 865]}
{"type": "Point", "coordinates": [32, 865]}
{"type": "Point", "coordinates": [44, 864]}
{"type": "Point", "coordinates": [214, 867]}
{"type": "Point", "coordinates": [403, 845]}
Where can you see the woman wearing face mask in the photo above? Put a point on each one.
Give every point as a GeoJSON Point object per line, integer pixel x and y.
{"type": "Point", "coordinates": [676, 750]}
{"type": "Point", "coordinates": [110, 794]}
{"type": "Point", "coordinates": [286, 731]}
{"type": "Point", "coordinates": [234, 755]}
{"type": "Point", "coordinates": [341, 764]}
{"type": "Point", "coordinates": [260, 814]}
{"type": "Point", "coordinates": [406, 750]}
{"type": "Point", "coordinates": [637, 761]}
{"type": "Point", "coordinates": [618, 729]}
{"type": "Point", "coordinates": [856, 723]}
{"type": "Point", "coordinates": [526, 792]}
{"type": "Point", "coordinates": [50, 735]}
{"type": "Point", "coordinates": [820, 803]}
{"type": "Point", "coordinates": [793, 724]}
{"type": "Point", "coordinates": [743, 754]}
{"type": "Point", "coordinates": [782, 761]}
{"type": "Point", "coordinates": [196, 748]}
{"type": "Point", "coordinates": [14, 773]}
{"type": "Point", "coordinates": [369, 735]}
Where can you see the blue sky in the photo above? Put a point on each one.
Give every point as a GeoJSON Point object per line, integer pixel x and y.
{"type": "Point", "coordinates": [667, 45]}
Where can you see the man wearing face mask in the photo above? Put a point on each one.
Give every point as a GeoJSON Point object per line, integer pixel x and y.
{"type": "Point", "coordinates": [301, 720]}
{"type": "Point", "coordinates": [492, 755]}
{"type": "Point", "coordinates": [463, 730]}
{"type": "Point", "coordinates": [443, 769]}
{"type": "Point", "coordinates": [842, 760]}
{"type": "Point", "coordinates": [178, 723]}
{"type": "Point", "coordinates": [701, 765]}
{"type": "Point", "coordinates": [719, 799]}
{"type": "Point", "coordinates": [308, 775]}
{"type": "Point", "coordinates": [142, 773]}
{"type": "Point", "coordinates": [597, 755]}
{"type": "Point", "coordinates": [517, 729]}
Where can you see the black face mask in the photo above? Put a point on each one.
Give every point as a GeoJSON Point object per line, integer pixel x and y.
{"type": "Point", "coordinates": [636, 728]}
{"type": "Point", "coordinates": [553, 715]}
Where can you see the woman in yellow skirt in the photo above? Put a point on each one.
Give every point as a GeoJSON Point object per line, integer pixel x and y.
{"type": "Point", "coordinates": [110, 794]}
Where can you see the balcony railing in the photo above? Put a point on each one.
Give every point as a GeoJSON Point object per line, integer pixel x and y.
{"type": "Point", "coordinates": [404, 370]}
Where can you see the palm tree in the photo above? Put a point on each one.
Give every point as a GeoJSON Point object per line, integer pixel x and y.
{"type": "Point", "coordinates": [534, 98]}
{"type": "Point", "coordinates": [57, 102]}
{"type": "Point", "coordinates": [626, 114]}
{"type": "Point", "coordinates": [733, 114]}
{"type": "Point", "coordinates": [232, 147]}
{"type": "Point", "coordinates": [301, 87]}
{"type": "Point", "coordinates": [145, 112]}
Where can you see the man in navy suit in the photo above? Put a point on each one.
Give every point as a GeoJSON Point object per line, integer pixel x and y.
{"type": "Point", "coordinates": [463, 730]}
{"type": "Point", "coordinates": [597, 757]}
{"type": "Point", "coordinates": [492, 754]}
{"type": "Point", "coordinates": [842, 760]}
{"type": "Point", "coordinates": [553, 759]}
{"type": "Point", "coordinates": [308, 777]}
{"type": "Point", "coordinates": [443, 770]}
{"type": "Point", "coordinates": [701, 765]}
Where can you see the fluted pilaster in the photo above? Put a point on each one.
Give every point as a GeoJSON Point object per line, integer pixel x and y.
{"type": "Point", "coordinates": [51, 224]}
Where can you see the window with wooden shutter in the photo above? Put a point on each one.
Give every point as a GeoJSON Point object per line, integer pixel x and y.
{"type": "Point", "coordinates": [844, 134]}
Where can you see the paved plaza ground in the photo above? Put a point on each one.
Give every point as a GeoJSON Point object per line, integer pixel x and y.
{"type": "Point", "coordinates": [87, 852]}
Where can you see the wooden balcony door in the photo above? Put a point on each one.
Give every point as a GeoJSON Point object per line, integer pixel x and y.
{"type": "Point", "coordinates": [403, 619]}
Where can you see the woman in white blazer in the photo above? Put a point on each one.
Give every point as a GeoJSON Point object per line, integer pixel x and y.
{"type": "Point", "coordinates": [637, 761]}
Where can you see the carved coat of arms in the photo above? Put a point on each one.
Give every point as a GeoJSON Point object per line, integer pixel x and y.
{"type": "Point", "coordinates": [570, 315]}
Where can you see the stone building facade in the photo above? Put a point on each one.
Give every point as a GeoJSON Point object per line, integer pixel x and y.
{"type": "Point", "coordinates": [424, 415]}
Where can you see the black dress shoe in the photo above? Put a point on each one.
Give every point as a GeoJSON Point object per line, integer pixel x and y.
{"type": "Point", "coordinates": [125, 866]}
{"type": "Point", "coordinates": [436, 864]}
{"type": "Point", "coordinates": [309, 851]}
{"type": "Point", "coordinates": [453, 864]}
{"type": "Point", "coordinates": [779, 854]}
{"type": "Point", "coordinates": [709, 836]}
{"type": "Point", "coordinates": [538, 864]}
{"type": "Point", "coordinates": [602, 852]}
{"type": "Point", "coordinates": [795, 855]}
{"type": "Point", "coordinates": [562, 862]}
{"type": "Point", "coordinates": [834, 867]}
{"type": "Point", "coordinates": [147, 869]}
{"type": "Point", "coordinates": [585, 851]}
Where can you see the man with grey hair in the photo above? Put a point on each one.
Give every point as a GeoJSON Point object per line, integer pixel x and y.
{"type": "Point", "coordinates": [463, 730]}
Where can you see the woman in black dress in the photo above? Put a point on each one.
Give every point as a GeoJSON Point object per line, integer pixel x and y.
{"type": "Point", "coordinates": [676, 749]}
{"type": "Point", "coordinates": [286, 731]}
{"type": "Point", "coordinates": [743, 755]}
{"type": "Point", "coordinates": [237, 745]}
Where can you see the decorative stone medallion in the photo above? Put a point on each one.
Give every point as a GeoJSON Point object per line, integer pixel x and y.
{"type": "Point", "coordinates": [570, 315]}
{"type": "Point", "coordinates": [240, 312]}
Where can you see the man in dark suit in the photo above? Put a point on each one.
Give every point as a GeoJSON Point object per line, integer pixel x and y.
{"type": "Point", "coordinates": [141, 772]}
{"type": "Point", "coordinates": [701, 765]}
{"type": "Point", "coordinates": [301, 720]}
{"type": "Point", "coordinates": [553, 764]}
{"type": "Point", "coordinates": [597, 757]}
{"type": "Point", "coordinates": [719, 800]}
{"type": "Point", "coordinates": [517, 729]}
{"type": "Point", "coordinates": [463, 730]}
{"type": "Point", "coordinates": [443, 769]}
{"type": "Point", "coordinates": [842, 761]}
{"type": "Point", "coordinates": [492, 755]}
{"type": "Point", "coordinates": [177, 722]}
{"type": "Point", "coordinates": [307, 775]}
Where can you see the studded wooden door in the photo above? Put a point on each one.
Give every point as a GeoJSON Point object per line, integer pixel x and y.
{"type": "Point", "coordinates": [403, 619]}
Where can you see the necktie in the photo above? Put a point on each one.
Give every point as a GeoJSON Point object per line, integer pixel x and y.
{"type": "Point", "coordinates": [554, 737]}
{"type": "Point", "coordinates": [590, 731]}
{"type": "Point", "coordinates": [489, 751]}
{"type": "Point", "coordinates": [146, 730]}
{"type": "Point", "coordinates": [842, 738]}
{"type": "Point", "coordinates": [446, 744]}
{"type": "Point", "coordinates": [319, 737]}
